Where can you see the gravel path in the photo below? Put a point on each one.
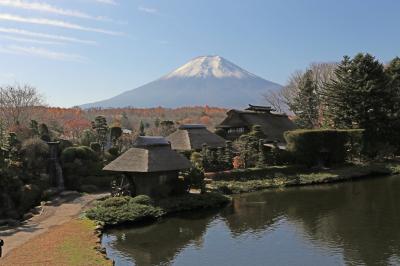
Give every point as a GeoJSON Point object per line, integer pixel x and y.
{"type": "Point", "coordinates": [58, 212]}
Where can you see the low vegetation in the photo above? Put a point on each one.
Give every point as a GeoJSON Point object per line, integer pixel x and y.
{"type": "Point", "coordinates": [337, 174]}
{"type": "Point", "coordinates": [122, 210]}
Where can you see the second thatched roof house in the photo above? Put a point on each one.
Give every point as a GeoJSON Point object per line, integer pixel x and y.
{"type": "Point", "coordinates": [239, 122]}
{"type": "Point", "coordinates": [192, 137]}
{"type": "Point", "coordinates": [151, 167]}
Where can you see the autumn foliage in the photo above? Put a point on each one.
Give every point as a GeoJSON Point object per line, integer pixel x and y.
{"type": "Point", "coordinates": [71, 122]}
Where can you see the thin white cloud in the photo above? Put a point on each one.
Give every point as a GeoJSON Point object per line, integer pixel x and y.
{"type": "Point", "coordinates": [109, 2]}
{"type": "Point", "coordinates": [43, 7]}
{"type": "Point", "coordinates": [55, 23]}
{"type": "Point", "coordinates": [46, 36]}
{"type": "Point", "coordinates": [43, 53]}
{"type": "Point", "coordinates": [148, 9]}
{"type": "Point", "coordinates": [28, 40]}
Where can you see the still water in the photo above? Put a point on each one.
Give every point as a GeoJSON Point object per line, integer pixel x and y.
{"type": "Point", "coordinates": [354, 223]}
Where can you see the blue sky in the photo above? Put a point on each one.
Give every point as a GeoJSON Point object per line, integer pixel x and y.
{"type": "Point", "coordinates": [79, 51]}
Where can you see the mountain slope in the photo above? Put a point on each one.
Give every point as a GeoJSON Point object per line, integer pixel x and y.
{"type": "Point", "coordinates": [206, 80]}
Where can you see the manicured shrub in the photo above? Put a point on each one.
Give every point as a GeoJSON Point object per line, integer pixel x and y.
{"type": "Point", "coordinates": [318, 147]}
{"type": "Point", "coordinates": [114, 151]}
{"type": "Point", "coordinates": [35, 154]}
{"type": "Point", "coordinates": [78, 163]}
{"type": "Point", "coordinates": [142, 199]}
{"type": "Point", "coordinates": [95, 146]}
{"type": "Point", "coordinates": [81, 152]}
{"type": "Point", "coordinates": [119, 210]}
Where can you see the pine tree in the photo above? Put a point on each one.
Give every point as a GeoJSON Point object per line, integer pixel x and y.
{"type": "Point", "coordinates": [101, 127]}
{"type": "Point", "coordinates": [358, 97]}
{"type": "Point", "coordinates": [393, 74]}
{"type": "Point", "coordinates": [306, 103]}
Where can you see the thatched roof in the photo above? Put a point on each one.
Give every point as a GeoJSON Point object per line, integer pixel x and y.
{"type": "Point", "coordinates": [151, 154]}
{"type": "Point", "coordinates": [192, 137]}
{"type": "Point", "coordinates": [273, 125]}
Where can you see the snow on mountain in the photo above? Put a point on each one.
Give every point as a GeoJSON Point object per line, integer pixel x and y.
{"type": "Point", "coordinates": [209, 66]}
{"type": "Point", "coordinates": [205, 80]}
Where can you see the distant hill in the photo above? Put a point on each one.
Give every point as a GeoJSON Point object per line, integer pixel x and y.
{"type": "Point", "coordinates": [205, 80]}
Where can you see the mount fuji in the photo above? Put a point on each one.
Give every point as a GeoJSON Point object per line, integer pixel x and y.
{"type": "Point", "coordinates": [205, 80]}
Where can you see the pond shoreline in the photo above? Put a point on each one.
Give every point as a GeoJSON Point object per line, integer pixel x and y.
{"type": "Point", "coordinates": [327, 176]}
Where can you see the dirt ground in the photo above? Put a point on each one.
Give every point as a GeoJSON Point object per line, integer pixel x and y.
{"type": "Point", "coordinates": [58, 212]}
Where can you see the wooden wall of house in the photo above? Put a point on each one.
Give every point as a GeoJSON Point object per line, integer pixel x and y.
{"type": "Point", "coordinates": [155, 184]}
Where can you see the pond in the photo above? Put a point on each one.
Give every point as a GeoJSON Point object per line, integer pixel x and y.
{"type": "Point", "coordinates": [353, 223]}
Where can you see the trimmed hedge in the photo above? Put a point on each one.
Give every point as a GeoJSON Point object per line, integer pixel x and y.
{"type": "Point", "coordinates": [323, 146]}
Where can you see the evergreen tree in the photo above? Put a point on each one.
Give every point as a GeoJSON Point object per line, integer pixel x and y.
{"type": "Point", "coordinates": [141, 129]}
{"type": "Point", "coordinates": [359, 97]}
{"type": "Point", "coordinates": [306, 103]}
{"type": "Point", "coordinates": [393, 75]}
{"type": "Point", "coordinates": [34, 127]}
{"type": "Point", "coordinates": [44, 132]}
{"type": "Point", "coordinates": [261, 154]}
{"type": "Point", "coordinates": [100, 126]}
{"type": "Point", "coordinates": [228, 156]}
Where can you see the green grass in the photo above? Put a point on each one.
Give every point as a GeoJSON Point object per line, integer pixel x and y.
{"type": "Point", "coordinates": [78, 248]}
{"type": "Point", "coordinates": [343, 173]}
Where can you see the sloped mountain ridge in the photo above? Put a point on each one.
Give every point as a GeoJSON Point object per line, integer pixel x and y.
{"type": "Point", "coordinates": [204, 80]}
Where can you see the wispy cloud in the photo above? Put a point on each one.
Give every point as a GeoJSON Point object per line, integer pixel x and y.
{"type": "Point", "coordinates": [109, 2]}
{"type": "Point", "coordinates": [148, 9]}
{"type": "Point", "coordinates": [55, 23]}
{"type": "Point", "coordinates": [40, 52]}
{"type": "Point", "coordinates": [28, 40]}
{"type": "Point", "coordinates": [46, 36]}
{"type": "Point", "coordinates": [43, 7]}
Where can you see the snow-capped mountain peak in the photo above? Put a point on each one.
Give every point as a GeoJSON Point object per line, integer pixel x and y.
{"type": "Point", "coordinates": [205, 80]}
{"type": "Point", "coordinates": [209, 66]}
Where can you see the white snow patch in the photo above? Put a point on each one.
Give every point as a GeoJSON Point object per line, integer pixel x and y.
{"type": "Point", "coordinates": [209, 66]}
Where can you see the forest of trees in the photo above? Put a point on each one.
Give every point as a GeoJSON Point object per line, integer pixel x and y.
{"type": "Point", "coordinates": [358, 92]}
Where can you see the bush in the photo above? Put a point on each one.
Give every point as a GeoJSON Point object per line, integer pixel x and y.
{"type": "Point", "coordinates": [114, 151]}
{"type": "Point", "coordinates": [78, 163]}
{"type": "Point", "coordinates": [142, 199]}
{"type": "Point", "coordinates": [119, 210]}
{"type": "Point", "coordinates": [194, 178]}
{"type": "Point", "coordinates": [80, 152]}
{"type": "Point", "coordinates": [95, 146]}
{"type": "Point", "coordinates": [35, 154]}
{"type": "Point", "coordinates": [315, 147]}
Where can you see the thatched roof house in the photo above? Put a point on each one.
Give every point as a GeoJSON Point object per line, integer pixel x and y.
{"type": "Point", "coordinates": [272, 124]}
{"type": "Point", "coordinates": [151, 165]}
{"type": "Point", "coordinates": [192, 137]}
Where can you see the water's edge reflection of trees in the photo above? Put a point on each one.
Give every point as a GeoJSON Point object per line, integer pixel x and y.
{"type": "Point", "coordinates": [362, 218]}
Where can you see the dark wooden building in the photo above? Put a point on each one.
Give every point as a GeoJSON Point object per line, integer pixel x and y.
{"type": "Point", "coordinates": [151, 166]}
{"type": "Point", "coordinates": [273, 125]}
{"type": "Point", "coordinates": [192, 137]}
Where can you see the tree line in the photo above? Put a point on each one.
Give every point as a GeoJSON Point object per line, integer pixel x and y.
{"type": "Point", "coordinates": [359, 92]}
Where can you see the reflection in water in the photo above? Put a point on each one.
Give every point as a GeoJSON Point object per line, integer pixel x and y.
{"type": "Point", "coordinates": [348, 223]}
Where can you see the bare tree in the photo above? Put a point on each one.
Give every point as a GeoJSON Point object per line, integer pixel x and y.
{"type": "Point", "coordinates": [17, 102]}
{"type": "Point", "coordinates": [284, 99]}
